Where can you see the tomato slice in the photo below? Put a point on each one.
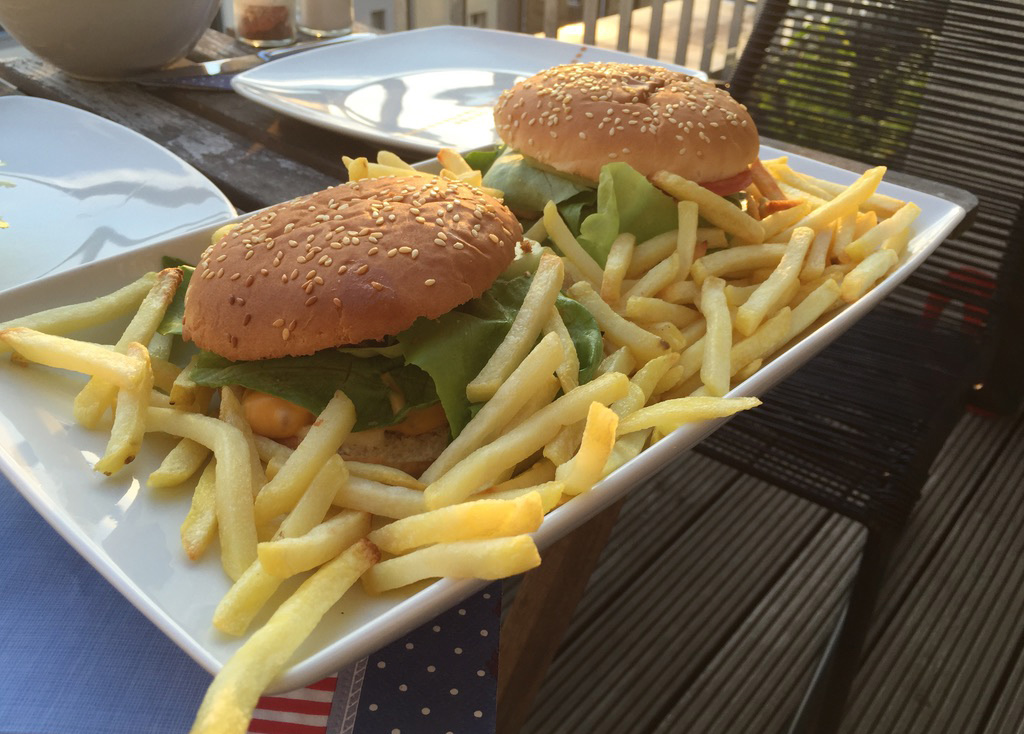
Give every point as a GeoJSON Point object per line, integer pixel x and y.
{"type": "Point", "coordinates": [726, 186]}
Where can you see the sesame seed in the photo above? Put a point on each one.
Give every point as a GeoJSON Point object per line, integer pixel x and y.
{"type": "Point", "coordinates": [278, 323]}
{"type": "Point", "coordinates": [362, 269]}
{"type": "Point", "coordinates": [285, 333]}
{"type": "Point", "coordinates": [376, 286]}
{"type": "Point", "coordinates": [342, 269]}
{"type": "Point", "coordinates": [337, 302]}
{"type": "Point", "coordinates": [311, 300]}
{"type": "Point", "coordinates": [429, 282]}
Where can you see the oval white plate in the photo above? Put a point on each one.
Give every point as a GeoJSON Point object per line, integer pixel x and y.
{"type": "Point", "coordinates": [423, 89]}
{"type": "Point", "coordinates": [75, 188]}
{"type": "Point", "coordinates": [130, 533]}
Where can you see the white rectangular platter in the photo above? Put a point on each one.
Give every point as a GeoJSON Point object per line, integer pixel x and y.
{"type": "Point", "coordinates": [130, 533]}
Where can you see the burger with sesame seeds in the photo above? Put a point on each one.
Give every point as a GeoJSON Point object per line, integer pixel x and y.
{"type": "Point", "coordinates": [588, 135]}
{"type": "Point", "coordinates": [393, 290]}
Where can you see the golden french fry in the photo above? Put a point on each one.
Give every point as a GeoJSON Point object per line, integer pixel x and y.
{"type": "Point", "coordinates": [783, 220]}
{"type": "Point", "coordinates": [819, 301]}
{"type": "Point", "coordinates": [899, 241]}
{"type": "Point", "coordinates": [688, 235]}
{"type": "Point", "coordinates": [715, 367]}
{"type": "Point", "coordinates": [357, 168]}
{"type": "Point", "coordinates": [550, 492]}
{"type": "Point", "coordinates": [323, 440]}
{"type": "Point", "coordinates": [769, 295]}
{"type": "Point", "coordinates": [786, 174]}
{"type": "Point", "coordinates": [231, 413]}
{"type": "Point", "coordinates": [387, 158]}
{"type": "Point", "coordinates": [180, 464]}
{"type": "Point", "coordinates": [526, 327]}
{"type": "Point", "coordinates": [250, 592]}
{"type": "Point", "coordinates": [66, 319]}
{"type": "Point", "coordinates": [656, 279]}
{"type": "Point", "coordinates": [541, 471]}
{"type": "Point", "coordinates": [231, 698]}
{"type": "Point", "coordinates": [129, 418]}
{"type": "Point", "coordinates": [186, 394]}
{"type": "Point", "coordinates": [719, 211]}
{"type": "Point", "coordinates": [569, 247]}
{"type": "Point", "coordinates": [649, 253]}
{"type": "Point", "coordinates": [366, 495]}
{"type": "Point", "coordinates": [453, 161]}
{"type": "Point", "coordinates": [384, 474]}
{"type": "Point", "coordinates": [844, 203]}
{"type": "Point", "coordinates": [235, 522]}
{"type": "Point", "coordinates": [543, 396]}
{"type": "Point", "coordinates": [377, 170]}
{"type": "Point", "coordinates": [561, 448]}
{"type": "Point", "coordinates": [69, 354]}
{"type": "Point", "coordinates": [882, 205]}
{"type": "Point", "coordinates": [164, 373]}
{"type": "Point", "coordinates": [285, 557]}
{"type": "Point", "coordinates": [765, 182]}
{"type": "Point", "coordinates": [492, 558]}
{"type": "Point", "coordinates": [568, 370]}
{"type": "Point", "coordinates": [864, 277]}
{"type": "Point", "coordinates": [514, 392]}
{"type": "Point", "coordinates": [483, 518]}
{"type": "Point", "coordinates": [670, 414]}
{"type": "Point", "coordinates": [878, 235]}
{"type": "Point", "coordinates": [616, 329]}
{"type": "Point", "coordinates": [159, 348]}
{"type": "Point", "coordinates": [586, 468]}
{"type": "Point", "coordinates": [479, 469]}
{"type": "Point", "coordinates": [682, 291]}
{"type": "Point", "coordinates": [650, 310]}
{"type": "Point", "coordinates": [817, 255]}
{"type": "Point", "coordinates": [621, 360]}
{"type": "Point", "coordinates": [200, 525]}
{"type": "Point", "coordinates": [764, 342]}
{"type": "Point", "coordinates": [620, 256]}
{"type": "Point", "coordinates": [713, 237]}
{"type": "Point", "coordinates": [669, 333]}
{"type": "Point", "coordinates": [747, 371]}
{"type": "Point", "coordinates": [741, 259]}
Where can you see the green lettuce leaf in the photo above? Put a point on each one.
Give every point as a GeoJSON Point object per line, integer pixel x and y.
{"type": "Point", "coordinates": [626, 202]}
{"type": "Point", "coordinates": [481, 160]}
{"type": "Point", "coordinates": [455, 347]}
{"type": "Point", "coordinates": [528, 186]}
{"type": "Point", "coordinates": [311, 381]}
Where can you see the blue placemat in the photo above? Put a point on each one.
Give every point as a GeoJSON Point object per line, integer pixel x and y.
{"type": "Point", "coordinates": [77, 658]}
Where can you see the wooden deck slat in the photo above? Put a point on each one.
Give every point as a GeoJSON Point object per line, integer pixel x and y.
{"type": "Point", "coordinates": [648, 642]}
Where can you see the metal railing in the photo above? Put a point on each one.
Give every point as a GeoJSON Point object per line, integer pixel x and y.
{"type": "Point", "coordinates": [703, 34]}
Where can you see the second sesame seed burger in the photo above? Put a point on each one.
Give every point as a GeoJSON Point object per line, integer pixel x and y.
{"type": "Point", "coordinates": [336, 291]}
{"type": "Point", "coordinates": [562, 126]}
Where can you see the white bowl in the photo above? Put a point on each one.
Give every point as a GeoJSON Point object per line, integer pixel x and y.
{"type": "Point", "coordinates": [107, 39]}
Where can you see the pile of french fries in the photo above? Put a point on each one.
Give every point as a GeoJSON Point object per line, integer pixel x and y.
{"type": "Point", "coordinates": [685, 317]}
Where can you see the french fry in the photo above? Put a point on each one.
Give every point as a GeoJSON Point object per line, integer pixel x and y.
{"type": "Point", "coordinates": [715, 367]}
{"type": "Point", "coordinates": [687, 235]}
{"type": "Point", "coordinates": [550, 493]}
{"type": "Point", "coordinates": [657, 278]}
{"type": "Point", "coordinates": [250, 592]}
{"type": "Point", "coordinates": [668, 333]}
{"type": "Point", "coordinates": [383, 500]}
{"type": "Point", "coordinates": [384, 474]}
{"type": "Point", "coordinates": [231, 413]}
{"type": "Point", "coordinates": [741, 259]}
{"type": "Point", "coordinates": [569, 247]}
{"type": "Point", "coordinates": [323, 440]}
{"type": "Point", "coordinates": [864, 277]}
{"type": "Point", "coordinates": [67, 319]}
{"type": "Point", "coordinates": [186, 394]}
{"type": "Point", "coordinates": [377, 170]}
{"type": "Point", "coordinates": [712, 237]}
{"type": "Point", "coordinates": [783, 220]}
{"type": "Point", "coordinates": [541, 471]}
{"type": "Point", "coordinates": [285, 557]}
{"type": "Point", "coordinates": [493, 558]}
{"type": "Point", "coordinates": [231, 698]}
{"type": "Point", "coordinates": [496, 412]}
{"type": "Point", "coordinates": [98, 396]}
{"type": "Point", "coordinates": [179, 465]}
{"type": "Point", "coordinates": [387, 158]}
{"type": "Point", "coordinates": [200, 525]}
{"type": "Point", "coordinates": [586, 468]}
{"type": "Point", "coordinates": [453, 161]}
{"type": "Point", "coordinates": [620, 256]}
{"type": "Point", "coordinates": [845, 202]}
{"type": "Point", "coordinates": [714, 208]}
{"type": "Point", "coordinates": [616, 329]}
{"type": "Point", "coordinates": [527, 325]}
{"type": "Point", "coordinates": [747, 371]}
{"type": "Point", "coordinates": [670, 414]}
{"type": "Point", "coordinates": [129, 418]}
{"type": "Point", "coordinates": [813, 306]}
{"type": "Point", "coordinates": [817, 254]}
{"type": "Point", "coordinates": [764, 181]}
{"type": "Point", "coordinates": [682, 291]}
{"type": "Point", "coordinates": [843, 236]}
{"type": "Point", "coordinates": [769, 294]}
{"type": "Point", "coordinates": [235, 522]}
{"type": "Point", "coordinates": [882, 205]}
{"type": "Point", "coordinates": [164, 373]}
{"type": "Point", "coordinates": [568, 370]}
{"type": "Point", "coordinates": [878, 235]}
{"type": "Point", "coordinates": [899, 241]}
{"type": "Point", "coordinates": [621, 360]}
{"type": "Point", "coordinates": [483, 518]}
{"type": "Point", "coordinates": [479, 469]}
{"type": "Point", "coordinates": [69, 354]}
{"type": "Point", "coordinates": [649, 253]}
{"type": "Point", "coordinates": [543, 396]}
{"type": "Point", "coordinates": [650, 310]}
{"type": "Point", "coordinates": [561, 448]}
{"type": "Point", "coordinates": [784, 173]}
{"type": "Point", "coordinates": [159, 348]}
{"type": "Point", "coordinates": [764, 342]}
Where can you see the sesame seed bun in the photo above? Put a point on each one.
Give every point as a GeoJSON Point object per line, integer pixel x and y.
{"type": "Point", "coordinates": [354, 263]}
{"type": "Point", "coordinates": [577, 117]}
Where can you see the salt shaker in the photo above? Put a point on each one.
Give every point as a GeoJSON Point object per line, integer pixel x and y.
{"type": "Point", "coordinates": [265, 23]}
{"type": "Point", "coordinates": [325, 18]}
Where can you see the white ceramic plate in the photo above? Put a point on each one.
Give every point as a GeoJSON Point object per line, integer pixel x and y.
{"type": "Point", "coordinates": [422, 89]}
{"type": "Point", "coordinates": [130, 533]}
{"type": "Point", "coordinates": [75, 188]}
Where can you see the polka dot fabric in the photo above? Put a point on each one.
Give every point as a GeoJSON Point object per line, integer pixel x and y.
{"type": "Point", "coordinates": [440, 678]}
